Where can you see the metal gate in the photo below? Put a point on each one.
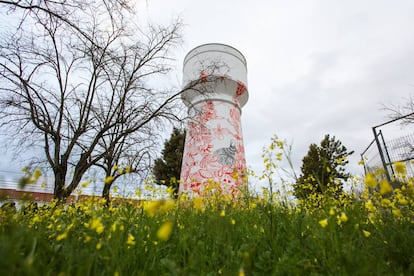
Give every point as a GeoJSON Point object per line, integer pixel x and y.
{"type": "Point", "coordinates": [383, 153]}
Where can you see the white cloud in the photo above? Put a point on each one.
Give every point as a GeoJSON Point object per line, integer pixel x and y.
{"type": "Point", "coordinates": [314, 67]}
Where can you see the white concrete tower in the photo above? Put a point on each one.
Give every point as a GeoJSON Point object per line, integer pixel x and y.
{"type": "Point", "coordinates": [215, 83]}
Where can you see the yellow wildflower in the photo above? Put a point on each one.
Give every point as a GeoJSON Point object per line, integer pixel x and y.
{"type": "Point", "coordinates": [323, 223]}
{"type": "Point", "coordinates": [109, 179]}
{"type": "Point", "coordinates": [396, 212]}
{"type": "Point", "coordinates": [385, 187]}
{"type": "Point", "coordinates": [233, 221]}
{"type": "Point", "coordinates": [342, 217]}
{"type": "Point", "coordinates": [385, 202]}
{"type": "Point", "coordinates": [400, 168]}
{"type": "Point", "coordinates": [369, 205]}
{"type": "Point", "coordinates": [36, 174]}
{"type": "Point", "coordinates": [87, 239]}
{"type": "Point", "coordinates": [402, 200]}
{"type": "Point", "coordinates": [279, 156]}
{"type": "Point", "coordinates": [98, 245]}
{"type": "Point", "coordinates": [167, 205]}
{"type": "Point", "coordinates": [241, 272]}
{"type": "Point", "coordinates": [370, 180]}
{"type": "Point", "coordinates": [164, 232]}
{"type": "Point", "coordinates": [97, 225]}
{"type": "Point", "coordinates": [128, 169]}
{"type": "Point", "coordinates": [198, 204]}
{"type": "Point", "coordinates": [222, 213]}
{"type": "Point", "coordinates": [366, 233]}
{"type": "Point", "coordinates": [130, 240]}
{"type": "Point", "coordinates": [151, 206]}
{"type": "Point", "coordinates": [85, 183]}
{"type": "Point", "coordinates": [62, 236]}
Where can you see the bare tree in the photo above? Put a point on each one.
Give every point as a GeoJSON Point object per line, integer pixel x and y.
{"type": "Point", "coordinates": [132, 154]}
{"type": "Point", "coordinates": [403, 112]}
{"type": "Point", "coordinates": [74, 77]}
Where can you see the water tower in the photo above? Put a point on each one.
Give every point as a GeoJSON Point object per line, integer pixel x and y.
{"type": "Point", "coordinates": [215, 84]}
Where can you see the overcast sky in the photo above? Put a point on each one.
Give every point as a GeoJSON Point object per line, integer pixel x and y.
{"type": "Point", "coordinates": [314, 67]}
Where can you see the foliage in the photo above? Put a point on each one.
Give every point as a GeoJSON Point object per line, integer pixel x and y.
{"type": "Point", "coordinates": [323, 169]}
{"type": "Point", "coordinates": [167, 169]}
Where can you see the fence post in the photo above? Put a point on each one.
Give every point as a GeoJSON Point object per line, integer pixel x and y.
{"type": "Point", "coordinates": [384, 163]}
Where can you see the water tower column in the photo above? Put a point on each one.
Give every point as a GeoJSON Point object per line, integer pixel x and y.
{"type": "Point", "coordinates": [215, 83]}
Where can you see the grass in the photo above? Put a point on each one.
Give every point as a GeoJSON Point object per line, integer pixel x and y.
{"type": "Point", "coordinates": [371, 233]}
{"type": "Point", "coordinates": [209, 237]}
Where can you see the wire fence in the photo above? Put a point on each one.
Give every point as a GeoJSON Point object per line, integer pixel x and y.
{"type": "Point", "coordinates": [382, 153]}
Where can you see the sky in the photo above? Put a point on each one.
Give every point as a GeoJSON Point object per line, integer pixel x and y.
{"type": "Point", "coordinates": [314, 67]}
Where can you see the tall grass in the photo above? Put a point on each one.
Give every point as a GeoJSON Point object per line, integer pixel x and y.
{"type": "Point", "coordinates": [368, 234]}
{"type": "Point", "coordinates": [203, 237]}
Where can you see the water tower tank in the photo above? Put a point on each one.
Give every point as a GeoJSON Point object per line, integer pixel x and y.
{"type": "Point", "coordinates": [215, 84]}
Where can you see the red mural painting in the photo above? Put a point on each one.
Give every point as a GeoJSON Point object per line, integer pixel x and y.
{"type": "Point", "coordinates": [214, 148]}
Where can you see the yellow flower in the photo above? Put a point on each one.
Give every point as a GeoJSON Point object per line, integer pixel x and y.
{"type": "Point", "coordinates": [323, 223]}
{"type": "Point", "coordinates": [366, 233]}
{"type": "Point", "coordinates": [235, 175]}
{"type": "Point", "coordinates": [369, 205]}
{"type": "Point", "coordinates": [130, 239]}
{"type": "Point", "coordinates": [279, 156]}
{"type": "Point", "coordinates": [332, 211]}
{"type": "Point", "coordinates": [402, 200]}
{"type": "Point", "coordinates": [85, 183]}
{"type": "Point", "coordinates": [198, 203]}
{"type": "Point", "coordinates": [167, 205]}
{"type": "Point", "coordinates": [109, 179]}
{"type": "Point", "coordinates": [222, 213]}
{"type": "Point", "coordinates": [396, 212]}
{"type": "Point", "coordinates": [128, 169]}
{"type": "Point", "coordinates": [97, 225]}
{"type": "Point", "coordinates": [343, 217]}
{"type": "Point", "coordinates": [400, 168]}
{"type": "Point", "coordinates": [151, 206]}
{"type": "Point", "coordinates": [164, 232]}
{"type": "Point", "coordinates": [87, 239]}
{"type": "Point", "coordinates": [385, 202]}
{"type": "Point", "coordinates": [385, 187]}
{"type": "Point", "coordinates": [233, 221]}
{"type": "Point", "coordinates": [113, 226]}
{"type": "Point", "coordinates": [62, 236]}
{"type": "Point", "coordinates": [37, 173]}
{"type": "Point", "coordinates": [241, 272]}
{"type": "Point", "coordinates": [370, 180]}
{"type": "Point", "coordinates": [98, 245]}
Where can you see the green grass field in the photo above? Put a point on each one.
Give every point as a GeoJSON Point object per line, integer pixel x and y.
{"type": "Point", "coordinates": [371, 235]}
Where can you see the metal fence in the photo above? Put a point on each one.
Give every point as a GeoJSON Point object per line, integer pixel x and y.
{"type": "Point", "coordinates": [383, 153]}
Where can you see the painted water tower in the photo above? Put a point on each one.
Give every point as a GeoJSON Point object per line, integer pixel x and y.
{"type": "Point", "coordinates": [215, 84]}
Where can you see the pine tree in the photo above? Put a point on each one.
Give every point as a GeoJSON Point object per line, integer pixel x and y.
{"type": "Point", "coordinates": [168, 168]}
{"type": "Point", "coordinates": [323, 167]}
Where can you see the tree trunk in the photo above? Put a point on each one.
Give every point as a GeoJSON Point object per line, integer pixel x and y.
{"type": "Point", "coordinates": [59, 190]}
{"type": "Point", "coordinates": [105, 192]}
